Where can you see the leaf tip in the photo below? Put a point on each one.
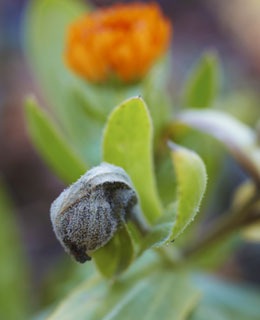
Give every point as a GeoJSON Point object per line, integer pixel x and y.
{"type": "Point", "coordinates": [138, 98]}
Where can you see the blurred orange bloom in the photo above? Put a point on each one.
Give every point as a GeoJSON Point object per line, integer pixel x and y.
{"type": "Point", "coordinates": [121, 41]}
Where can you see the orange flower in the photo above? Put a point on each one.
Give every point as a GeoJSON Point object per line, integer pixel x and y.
{"type": "Point", "coordinates": [121, 41]}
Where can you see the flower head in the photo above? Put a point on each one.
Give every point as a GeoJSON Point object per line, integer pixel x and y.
{"type": "Point", "coordinates": [121, 41]}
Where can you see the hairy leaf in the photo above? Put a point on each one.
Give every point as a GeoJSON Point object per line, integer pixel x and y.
{"type": "Point", "coordinates": [128, 144]}
{"type": "Point", "coordinates": [161, 232]}
{"type": "Point", "coordinates": [191, 185]}
{"type": "Point", "coordinates": [192, 179]}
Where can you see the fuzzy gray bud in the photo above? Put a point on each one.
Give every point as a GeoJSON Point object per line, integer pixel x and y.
{"type": "Point", "coordinates": [87, 214]}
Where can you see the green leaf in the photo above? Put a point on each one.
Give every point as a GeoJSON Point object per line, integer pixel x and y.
{"type": "Point", "coordinates": [68, 96]}
{"type": "Point", "coordinates": [143, 293]}
{"type": "Point", "coordinates": [79, 304]}
{"type": "Point", "coordinates": [161, 232]}
{"type": "Point", "coordinates": [220, 125]}
{"type": "Point", "coordinates": [128, 144]}
{"type": "Point", "coordinates": [191, 185]}
{"type": "Point", "coordinates": [239, 139]}
{"type": "Point", "coordinates": [165, 177]}
{"type": "Point", "coordinates": [116, 256]}
{"type": "Point", "coordinates": [201, 87]}
{"type": "Point", "coordinates": [155, 94]}
{"type": "Point", "coordinates": [192, 179]}
{"type": "Point", "coordinates": [51, 145]}
{"type": "Point", "coordinates": [129, 147]}
{"type": "Point", "coordinates": [14, 293]}
{"type": "Point", "coordinates": [45, 28]}
{"type": "Point", "coordinates": [229, 301]}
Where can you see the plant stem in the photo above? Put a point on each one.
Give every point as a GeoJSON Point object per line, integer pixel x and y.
{"type": "Point", "coordinates": [171, 257]}
{"type": "Point", "coordinates": [136, 217]}
{"type": "Point", "coordinates": [229, 223]}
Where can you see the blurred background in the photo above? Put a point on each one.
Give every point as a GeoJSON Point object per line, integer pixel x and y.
{"type": "Point", "coordinates": [230, 28]}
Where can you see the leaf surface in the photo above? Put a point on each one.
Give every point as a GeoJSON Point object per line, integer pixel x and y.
{"type": "Point", "coordinates": [192, 180]}
{"type": "Point", "coordinates": [127, 143]}
{"type": "Point", "coordinates": [239, 139]}
{"type": "Point", "coordinates": [225, 301]}
{"type": "Point", "coordinates": [191, 185]}
{"type": "Point", "coordinates": [201, 87]}
{"type": "Point", "coordinates": [69, 97]}
{"type": "Point", "coordinates": [51, 145]}
{"type": "Point", "coordinates": [143, 293]}
{"type": "Point", "coordinates": [116, 256]}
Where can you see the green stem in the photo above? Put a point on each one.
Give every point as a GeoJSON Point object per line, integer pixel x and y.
{"type": "Point", "coordinates": [170, 256]}
{"type": "Point", "coordinates": [227, 225]}
{"type": "Point", "coordinates": [136, 217]}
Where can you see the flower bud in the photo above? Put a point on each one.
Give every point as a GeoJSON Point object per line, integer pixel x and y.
{"type": "Point", "coordinates": [122, 42]}
{"type": "Point", "coordinates": [87, 214]}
